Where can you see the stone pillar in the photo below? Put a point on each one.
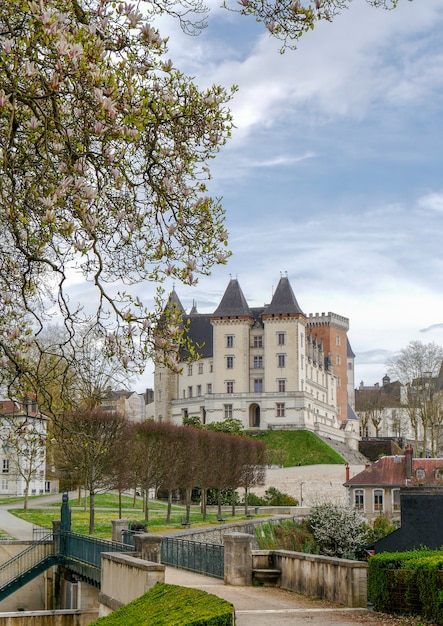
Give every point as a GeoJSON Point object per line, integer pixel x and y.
{"type": "Point", "coordinates": [148, 547]}
{"type": "Point", "coordinates": [118, 525]}
{"type": "Point", "coordinates": [238, 559]}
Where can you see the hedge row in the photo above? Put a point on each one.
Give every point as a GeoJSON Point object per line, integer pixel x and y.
{"type": "Point", "coordinates": [172, 605]}
{"type": "Point", "coordinates": [407, 582]}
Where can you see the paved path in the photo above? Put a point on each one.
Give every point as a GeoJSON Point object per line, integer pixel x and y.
{"type": "Point", "coordinates": [266, 606]}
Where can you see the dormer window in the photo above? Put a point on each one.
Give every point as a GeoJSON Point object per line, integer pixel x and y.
{"type": "Point", "coordinates": [420, 472]}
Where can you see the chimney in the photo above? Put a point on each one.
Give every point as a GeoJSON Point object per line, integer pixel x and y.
{"type": "Point", "coordinates": [347, 472]}
{"type": "Point", "coordinates": [408, 461]}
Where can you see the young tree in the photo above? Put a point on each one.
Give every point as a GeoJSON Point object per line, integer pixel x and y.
{"type": "Point", "coordinates": [86, 440]}
{"type": "Point", "coordinates": [104, 147]}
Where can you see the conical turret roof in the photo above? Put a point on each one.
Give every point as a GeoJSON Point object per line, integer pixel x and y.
{"type": "Point", "coordinates": [284, 301]}
{"type": "Point", "coordinates": [233, 303]}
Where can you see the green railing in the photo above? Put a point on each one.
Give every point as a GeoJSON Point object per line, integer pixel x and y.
{"type": "Point", "coordinates": [204, 558]}
{"type": "Point", "coordinates": [87, 549]}
{"type": "Point", "coordinates": [24, 566]}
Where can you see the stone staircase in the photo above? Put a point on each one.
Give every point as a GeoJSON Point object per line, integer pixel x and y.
{"type": "Point", "coordinates": [353, 457]}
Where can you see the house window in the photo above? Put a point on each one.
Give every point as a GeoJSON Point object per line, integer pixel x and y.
{"type": "Point", "coordinates": [199, 390]}
{"type": "Point", "coordinates": [419, 472]}
{"type": "Point", "coordinates": [396, 499]}
{"type": "Point", "coordinates": [185, 413]}
{"type": "Point", "coordinates": [200, 368]}
{"type": "Point", "coordinates": [258, 362]}
{"type": "Point", "coordinates": [5, 469]}
{"type": "Point", "coordinates": [378, 500]}
{"type": "Point", "coordinates": [258, 341]}
{"type": "Point", "coordinates": [281, 358]}
{"type": "Point", "coordinates": [281, 385]}
{"type": "Point", "coordinates": [230, 341]}
{"type": "Point", "coordinates": [5, 484]}
{"type": "Point", "coordinates": [280, 409]}
{"type": "Point", "coordinates": [359, 499]}
{"type": "Point", "coordinates": [281, 339]}
{"type": "Point", "coordinates": [228, 411]}
{"type": "Point", "coordinates": [189, 370]}
{"type": "Point", "coordinates": [189, 392]}
{"type": "Point", "coordinates": [230, 362]}
{"type": "Point", "coordinates": [258, 385]}
{"type": "Point", "coordinates": [230, 386]}
{"type": "Point", "coordinates": [209, 388]}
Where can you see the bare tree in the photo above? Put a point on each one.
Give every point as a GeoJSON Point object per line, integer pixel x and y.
{"type": "Point", "coordinates": [417, 366]}
{"type": "Point", "coordinates": [87, 441]}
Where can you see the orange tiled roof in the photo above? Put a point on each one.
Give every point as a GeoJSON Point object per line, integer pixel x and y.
{"type": "Point", "coordinates": [390, 471]}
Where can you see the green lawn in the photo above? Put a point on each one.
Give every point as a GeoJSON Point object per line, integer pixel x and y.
{"type": "Point", "coordinates": [291, 447]}
{"type": "Point", "coordinates": [107, 510]}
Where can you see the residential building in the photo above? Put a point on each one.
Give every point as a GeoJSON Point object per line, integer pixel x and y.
{"type": "Point", "coordinates": [133, 405]}
{"type": "Point", "coordinates": [376, 490]}
{"type": "Point", "coordinates": [266, 366]}
{"type": "Point", "coordinates": [23, 448]}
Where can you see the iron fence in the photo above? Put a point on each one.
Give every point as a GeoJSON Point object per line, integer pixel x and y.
{"type": "Point", "coordinates": [203, 558]}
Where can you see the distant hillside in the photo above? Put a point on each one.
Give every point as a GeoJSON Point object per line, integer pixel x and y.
{"type": "Point", "coordinates": [293, 447]}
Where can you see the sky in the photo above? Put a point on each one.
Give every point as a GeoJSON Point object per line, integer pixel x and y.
{"type": "Point", "coordinates": [333, 175]}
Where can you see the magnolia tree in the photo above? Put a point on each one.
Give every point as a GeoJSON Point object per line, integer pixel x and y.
{"type": "Point", "coordinates": [104, 147]}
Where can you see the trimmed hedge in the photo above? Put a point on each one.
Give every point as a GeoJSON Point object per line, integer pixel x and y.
{"type": "Point", "coordinates": [407, 582]}
{"type": "Point", "coordinates": [172, 605]}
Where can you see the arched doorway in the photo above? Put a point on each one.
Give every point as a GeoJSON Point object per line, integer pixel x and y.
{"type": "Point", "coordinates": [254, 416]}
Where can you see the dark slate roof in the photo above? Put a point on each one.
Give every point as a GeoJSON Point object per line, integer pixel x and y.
{"type": "Point", "coordinates": [351, 413]}
{"type": "Point", "coordinates": [200, 333]}
{"type": "Point", "coordinates": [174, 300]}
{"type": "Point", "coordinates": [283, 301]}
{"type": "Point", "coordinates": [390, 471]}
{"type": "Point", "coordinates": [233, 303]}
{"type": "Point", "coordinates": [349, 352]}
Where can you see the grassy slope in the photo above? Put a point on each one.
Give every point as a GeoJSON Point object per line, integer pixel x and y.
{"type": "Point", "coordinates": [291, 447]}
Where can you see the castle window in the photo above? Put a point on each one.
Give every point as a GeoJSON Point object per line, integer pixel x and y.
{"type": "Point", "coordinates": [189, 392]}
{"type": "Point", "coordinates": [337, 340]}
{"type": "Point", "coordinates": [189, 370]}
{"type": "Point", "coordinates": [200, 368]}
{"type": "Point", "coordinates": [258, 341]}
{"type": "Point", "coordinates": [281, 339]}
{"type": "Point", "coordinates": [228, 411]}
{"type": "Point", "coordinates": [230, 341]}
{"type": "Point", "coordinates": [230, 386]}
{"type": "Point", "coordinates": [5, 484]}
{"type": "Point", "coordinates": [359, 499]}
{"type": "Point", "coordinates": [211, 367]}
{"type": "Point", "coordinates": [280, 409]}
{"type": "Point", "coordinates": [338, 359]}
{"type": "Point", "coordinates": [5, 469]}
{"type": "Point", "coordinates": [199, 390]}
{"type": "Point", "coordinates": [209, 388]}
{"type": "Point", "coordinates": [258, 362]}
{"type": "Point", "coordinates": [281, 385]}
{"type": "Point", "coordinates": [230, 362]}
{"type": "Point", "coordinates": [281, 358]}
{"type": "Point", "coordinates": [258, 385]}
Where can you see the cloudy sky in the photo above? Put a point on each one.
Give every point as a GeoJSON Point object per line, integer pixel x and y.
{"type": "Point", "coordinates": [334, 172]}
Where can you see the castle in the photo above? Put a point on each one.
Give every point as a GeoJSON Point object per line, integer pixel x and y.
{"type": "Point", "coordinates": [271, 367]}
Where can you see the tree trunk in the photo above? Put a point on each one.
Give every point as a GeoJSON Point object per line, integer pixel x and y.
{"type": "Point", "coordinates": [91, 512]}
{"type": "Point", "coordinates": [246, 501]}
{"type": "Point", "coordinates": [120, 503]}
{"type": "Point", "coordinates": [168, 511]}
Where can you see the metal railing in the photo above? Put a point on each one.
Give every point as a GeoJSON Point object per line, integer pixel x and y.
{"type": "Point", "coordinates": [203, 558]}
{"type": "Point", "coordinates": [87, 549]}
{"type": "Point", "coordinates": [27, 561]}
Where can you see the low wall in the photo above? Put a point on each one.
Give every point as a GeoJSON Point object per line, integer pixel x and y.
{"type": "Point", "coordinates": [126, 577]}
{"type": "Point", "coordinates": [48, 618]}
{"type": "Point", "coordinates": [338, 580]}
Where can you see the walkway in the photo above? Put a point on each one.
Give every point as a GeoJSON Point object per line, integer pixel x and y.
{"type": "Point", "coordinates": [266, 606]}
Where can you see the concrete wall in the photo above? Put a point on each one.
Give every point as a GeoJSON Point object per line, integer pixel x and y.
{"type": "Point", "coordinates": [125, 578]}
{"type": "Point", "coordinates": [338, 580]}
{"type": "Point", "coordinates": [48, 618]}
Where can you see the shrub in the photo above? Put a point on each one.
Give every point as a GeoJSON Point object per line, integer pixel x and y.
{"type": "Point", "coordinates": [338, 531]}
